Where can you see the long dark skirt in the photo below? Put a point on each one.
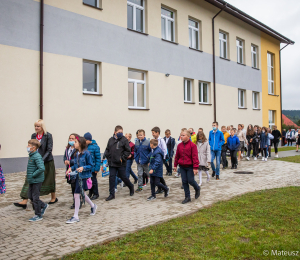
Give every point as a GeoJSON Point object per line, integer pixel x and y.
{"type": "Point", "coordinates": [48, 185]}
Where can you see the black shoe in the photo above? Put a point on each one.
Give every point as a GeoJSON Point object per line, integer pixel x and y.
{"type": "Point", "coordinates": [110, 197]}
{"type": "Point", "coordinates": [94, 197]}
{"type": "Point", "coordinates": [131, 190]}
{"type": "Point", "coordinates": [135, 182]}
{"type": "Point", "coordinates": [182, 187]}
{"type": "Point", "coordinates": [56, 200]}
{"type": "Point", "coordinates": [232, 167]}
{"type": "Point", "coordinates": [73, 206]}
{"type": "Point", "coordinates": [159, 191]}
{"type": "Point", "coordinates": [217, 177]}
{"type": "Point", "coordinates": [197, 194]}
{"type": "Point", "coordinates": [170, 174]}
{"type": "Point", "coordinates": [235, 167]}
{"type": "Point", "coordinates": [213, 174]}
{"type": "Point", "coordinates": [186, 200]}
{"type": "Point", "coordinates": [24, 206]}
{"type": "Point", "coordinates": [90, 195]}
{"type": "Point", "coordinates": [167, 192]}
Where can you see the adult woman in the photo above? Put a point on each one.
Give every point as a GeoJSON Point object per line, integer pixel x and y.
{"type": "Point", "coordinates": [45, 150]}
{"type": "Point", "coordinates": [243, 140]}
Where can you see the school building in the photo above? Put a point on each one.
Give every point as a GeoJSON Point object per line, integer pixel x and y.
{"type": "Point", "coordinates": [89, 65]}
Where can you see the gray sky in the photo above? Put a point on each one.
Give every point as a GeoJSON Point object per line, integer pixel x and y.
{"type": "Point", "coordinates": [282, 16]}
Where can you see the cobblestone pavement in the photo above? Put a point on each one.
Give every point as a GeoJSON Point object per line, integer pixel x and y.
{"type": "Point", "coordinates": [52, 238]}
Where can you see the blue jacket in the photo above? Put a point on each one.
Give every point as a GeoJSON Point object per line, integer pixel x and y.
{"type": "Point", "coordinates": [216, 140]}
{"type": "Point", "coordinates": [94, 149]}
{"type": "Point", "coordinates": [156, 162]}
{"type": "Point", "coordinates": [84, 160]}
{"type": "Point", "coordinates": [142, 150]}
{"type": "Point", "coordinates": [264, 140]}
{"type": "Point", "coordinates": [233, 143]}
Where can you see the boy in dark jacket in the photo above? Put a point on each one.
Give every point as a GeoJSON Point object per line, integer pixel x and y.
{"type": "Point", "coordinates": [35, 177]}
{"type": "Point", "coordinates": [156, 169]}
{"type": "Point", "coordinates": [94, 150]}
{"type": "Point", "coordinates": [233, 143]}
{"type": "Point", "coordinates": [170, 142]}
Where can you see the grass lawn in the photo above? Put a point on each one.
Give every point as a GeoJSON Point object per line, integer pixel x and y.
{"type": "Point", "coordinates": [294, 159]}
{"type": "Point", "coordinates": [285, 148]}
{"type": "Point", "coordinates": [241, 228]}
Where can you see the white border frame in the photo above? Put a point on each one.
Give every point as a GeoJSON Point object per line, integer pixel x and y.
{"type": "Point", "coordinates": [135, 6]}
{"type": "Point", "coordinates": [270, 67]}
{"type": "Point", "coordinates": [166, 24]}
{"type": "Point", "coordinates": [238, 47]}
{"type": "Point", "coordinates": [272, 113]}
{"type": "Point", "coordinates": [253, 98]}
{"type": "Point", "coordinates": [193, 36]}
{"type": "Point", "coordinates": [201, 92]}
{"type": "Point", "coordinates": [221, 41]}
{"type": "Point", "coordinates": [239, 98]}
{"type": "Point", "coordinates": [252, 54]}
{"type": "Point", "coordinates": [97, 80]}
{"type": "Point", "coordinates": [185, 91]}
{"type": "Point", "coordinates": [135, 82]}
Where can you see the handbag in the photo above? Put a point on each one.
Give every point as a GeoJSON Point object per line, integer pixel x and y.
{"type": "Point", "coordinates": [89, 183]}
{"type": "Point", "coordinates": [105, 168]}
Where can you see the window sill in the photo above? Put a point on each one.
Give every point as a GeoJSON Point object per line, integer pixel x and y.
{"type": "Point", "coordinates": [169, 41]}
{"type": "Point", "coordinates": [93, 6]}
{"type": "Point", "coordinates": [258, 109]}
{"type": "Point", "coordinates": [132, 108]}
{"type": "Point", "coordinates": [146, 34]}
{"type": "Point", "coordinates": [255, 68]}
{"type": "Point", "coordinates": [205, 104]}
{"type": "Point", "coordinates": [195, 49]}
{"type": "Point", "coordinates": [241, 64]}
{"type": "Point", "coordinates": [242, 108]}
{"type": "Point", "coordinates": [224, 58]}
{"type": "Point", "coordinates": [273, 95]}
{"type": "Point", "coordinates": [92, 94]}
{"type": "Point", "coordinates": [185, 102]}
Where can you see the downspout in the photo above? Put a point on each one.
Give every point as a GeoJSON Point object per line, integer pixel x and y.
{"type": "Point", "coordinates": [41, 56]}
{"type": "Point", "coordinates": [214, 62]}
{"type": "Point", "coordinates": [280, 84]}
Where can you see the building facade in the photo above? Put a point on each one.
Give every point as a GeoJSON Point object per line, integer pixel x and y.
{"type": "Point", "coordinates": [137, 63]}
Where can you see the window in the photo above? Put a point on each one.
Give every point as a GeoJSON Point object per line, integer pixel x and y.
{"type": "Point", "coordinates": [92, 3]}
{"type": "Point", "coordinates": [240, 51]}
{"type": "Point", "coordinates": [255, 100]}
{"type": "Point", "coordinates": [242, 95]}
{"type": "Point", "coordinates": [271, 73]}
{"type": "Point", "coordinates": [167, 25]}
{"type": "Point", "coordinates": [254, 56]}
{"type": "Point", "coordinates": [194, 34]}
{"type": "Point", "coordinates": [271, 118]}
{"type": "Point", "coordinates": [188, 97]}
{"type": "Point", "coordinates": [203, 93]}
{"type": "Point", "coordinates": [136, 89]}
{"type": "Point", "coordinates": [223, 45]}
{"type": "Point", "coordinates": [135, 15]}
{"type": "Point", "coordinates": [90, 77]}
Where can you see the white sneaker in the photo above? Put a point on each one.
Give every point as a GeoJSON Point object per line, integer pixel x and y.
{"type": "Point", "coordinates": [199, 183]}
{"type": "Point", "coordinates": [276, 156]}
{"type": "Point", "coordinates": [176, 175]}
{"type": "Point", "coordinates": [248, 159]}
{"type": "Point", "coordinates": [266, 159]}
{"type": "Point", "coordinates": [116, 190]}
{"type": "Point", "coordinates": [255, 158]}
{"type": "Point", "coordinates": [121, 184]}
{"type": "Point", "coordinates": [263, 158]}
{"type": "Point", "coordinates": [208, 179]}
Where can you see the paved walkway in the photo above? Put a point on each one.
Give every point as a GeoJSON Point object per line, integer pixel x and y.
{"type": "Point", "coordinates": [52, 238]}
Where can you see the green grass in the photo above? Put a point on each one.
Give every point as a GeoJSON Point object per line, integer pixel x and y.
{"type": "Point", "coordinates": [285, 148]}
{"type": "Point", "coordinates": [294, 159]}
{"type": "Point", "coordinates": [241, 228]}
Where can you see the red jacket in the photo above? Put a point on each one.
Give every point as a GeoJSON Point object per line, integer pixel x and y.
{"type": "Point", "coordinates": [131, 144]}
{"type": "Point", "coordinates": [187, 155]}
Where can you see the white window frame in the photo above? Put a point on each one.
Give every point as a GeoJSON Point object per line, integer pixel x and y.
{"type": "Point", "coordinates": [166, 24]}
{"type": "Point", "coordinates": [135, 6]}
{"type": "Point", "coordinates": [254, 52]}
{"type": "Point", "coordinates": [194, 29]}
{"type": "Point", "coordinates": [270, 57]}
{"type": "Point", "coordinates": [98, 4]}
{"type": "Point", "coordinates": [201, 86]}
{"type": "Point", "coordinates": [185, 91]}
{"type": "Point", "coordinates": [272, 115]}
{"type": "Point", "coordinates": [239, 47]}
{"type": "Point", "coordinates": [255, 95]}
{"type": "Point", "coordinates": [239, 98]}
{"type": "Point", "coordinates": [221, 41]}
{"type": "Point", "coordinates": [135, 82]}
{"type": "Point", "coordinates": [97, 80]}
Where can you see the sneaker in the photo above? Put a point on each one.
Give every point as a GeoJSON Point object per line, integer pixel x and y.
{"type": "Point", "coordinates": [93, 210]}
{"type": "Point", "coordinates": [167, 192]}
{"type": "Point", "coordinates": [121, 184]}
{"type": "Point", "coordinates": [197, 194]}
{"type": "Point", "coordinates": [208, 179]}
{"type": "Point", "coordinates": [213, 174]}
{"type": "Point", "coordinates": [176, 175]}
{"type": "Point", "coordinates": [248, 159]}
{"type": "Point", "coordinates": [72, 220]}
{"type": "Point", "coordinates": [255, 158]}
{"type": "Point", "coordinates": [186, 200]}
{"type": "Point", "coordinates": [44, 209]}
{"type": "Point", "coordinates": [116, 190]}
{"type": "Point", "coordinates": [151, 198]}
{"type": "Point", "coordinates": [159, 191]}
{"type": "Point", "coordinates": [276, 155]}
{"type": "Point", "coordinates": [217, 177]}
{"type": "Point", "coordinates": [94, 197]}
{"type": "Point", "coordinates": [266, 159]}
{"type": "Point", "coordinates": [35, 219]}
{"type": "Point", "coordinates": [263, 158]}
{"type": "Point", "coordinates": [139, 189]}
{"type": "Point", "coordinates": [145, 185]}
{"type": "Point", "coordinates": [200, 183]}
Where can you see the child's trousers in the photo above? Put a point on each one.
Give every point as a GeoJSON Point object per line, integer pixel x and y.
{"type": "Point", "coordinates": [34, 195]}
{"type": "Point", "coordinates": [141, 169]}
{"type": "Point", "coordinates": [155, 181]}
{"type": "Point", "coordinates": [233, 157]}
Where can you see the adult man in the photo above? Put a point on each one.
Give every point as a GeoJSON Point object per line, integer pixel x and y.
{"type": "Point", "coordinates": [170, 142]}
{"type": "Point", "coordinates": [117, 152]}
{"type": "Point", "coordinates": [216, 140]}
{"type": "Point", "coordinates": [276, 133]}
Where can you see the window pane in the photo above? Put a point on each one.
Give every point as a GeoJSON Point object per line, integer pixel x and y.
{"type": "Point", "coordinates": [89, 77]}
{"type": "Point", "coordinates": [188, 91]}
{"type": "Point", "coordinates": [170, 31]}
{"type": "Point", "coordinates": [272, 73]}
{"type": "Point", "coordinates": [205, 93]}
{"type": "Point", "coordinates": [139, 20]}
{"type": "Point", "coordinates": [224, 50]}
{"type": "Point", "coordinates": [200, 93]}
{"type": "Point", "coordinates": [254, 60]}
{"type": "Point", "coordinates": [242, 98]}
{"type": "Point", "coordinates": [196, 40]}
{"type": "Point", "coordinates": [163, 28]}
{"type": "Point", "coordinates": [130, 94]}
{"type": "Point", "coordinates": [193, 23]}
{"type": "Point", "coordinates": [167, 13]}
{"type": "Point", "coordinates": [241, 55]}
{"type": "Point", "coordinates": [221, 49]}
{"type": "Point", "coordinates": [129, 17]}
{"type": "Point", "coordinates": [190, 37]}
{"type": "Point", "coordinates": [138, 2]}
{"type": "Point", "coordinates": [140, 95]}
{"type": "Point", "coordinates": [135, 75]}
{"type": "Point", "coordinates": [91, 2]}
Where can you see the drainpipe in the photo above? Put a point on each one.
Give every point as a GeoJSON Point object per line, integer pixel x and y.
{"type": "Point", "coordinates": [41, 56]}
{"type": "Point", "coordinates": [281, 83]}
{"type": "Point", "coordinates": [214, 61]}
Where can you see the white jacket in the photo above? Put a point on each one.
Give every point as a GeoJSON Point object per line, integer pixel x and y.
{"type": "Point", "coordinates": [203, 153]}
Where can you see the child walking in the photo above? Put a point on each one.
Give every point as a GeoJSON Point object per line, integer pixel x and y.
{"type": "Point", "coordinates": [233, 143]}
{"type": "Point", "coordinates": [224, 148]}
{"type": "Point", "coordinates": [35, 177]}
{"type": "Point", "coordinates": [156, 169]}
{"type": "Point", "coordinates": [203, 155]}
{"type": "Point", "coordinates": [264, 140]}
{"type": "Point", "coordinates": [256, 142]}
{"type": "Point", "coordinates": [250, 140]}
{"type": "Point", "coordinates": [83, 165]}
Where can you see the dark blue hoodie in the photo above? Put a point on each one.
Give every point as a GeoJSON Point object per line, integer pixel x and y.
{"type": "Point", "coordinates": [156, 162]}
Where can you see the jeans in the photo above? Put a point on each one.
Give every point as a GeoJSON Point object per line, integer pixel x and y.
{"type": "Point", "coordinates": [117, 172]}
{"type": "Point", "coordinates": [223, 155]}
{"type": "Point", "coordinates": [249, 148]}
{"type": "Point", "coordinates": [34, 195]}
{"type": "Point", "coordinates": [264, 152]}
{"type": "Point", "coordinates": [118, 181]}
{"type": "Point", "coordinates": [276, 146]}
{"type": "Point", "coordinates": [129, 171]}
{"type": "Point", "coordinates": [255, 149]}
{"type": "Point", "coordinates": [168, 165]}
{"type": "Point", "coordinates": [94, 189]}
{"type": "Point", "coordinates": [290, 141]}
{"type": "Point", "coordinates": [155, 181]}
{"type": "Point", "coordinates": [233, 154]}
{"type": "Point", "coordinates": [188, 178]}
{"type": "Point", "coordinates": [217, 155]}
{"type": "Point", "coordinates": [141, 169]}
